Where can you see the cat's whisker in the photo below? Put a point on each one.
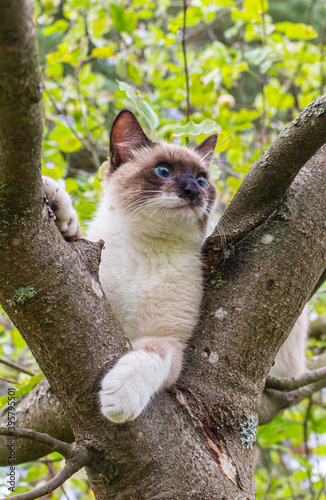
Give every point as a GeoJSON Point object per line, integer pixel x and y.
{"type": "Point", "coordinates": [225, 218]}
{"type": "Point", "coordinates": [224, 140]}
{"type": "Point", "coordinates": [143, 206]}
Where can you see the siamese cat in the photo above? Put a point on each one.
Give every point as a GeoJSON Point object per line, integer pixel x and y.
{"type": "Point", "coordinates": [153, 217]}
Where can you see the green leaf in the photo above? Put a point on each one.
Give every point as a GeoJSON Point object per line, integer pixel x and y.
{"type": "Point", "coordinates": [17, 339]}
{"type": "Point", "coordinates": [233, 184]}
{"type": "Point", "coordinates": [244, 118]}
{"type": "Point", "coordinates": [278, 429]}
{"type": "Point", "coordinates": [25, 389]}
{"type": "Point", "coordinates": [296, 31]}
{"type": "Point", "coordinates": [56, 56]}
{"type": "Point", "coordinates": [123, 20]}
{"type": "Point", "coordinates": [276, 97]}
{"type": "Point", "coordinates": [259, 55]}
{"type": "Point", "coordinates": [102, 52]}
{"type": "Point", "coordinates": [206, 127]}
{"type": "Point", "coordinates": [194, 16]}
{"type": "Point", "coordinates": [33, 382]}
{"type": "Point", "coordinates": [57, 27]}
{"type": "Point", "coordinates": [69, 143]}
{"type": "Point", "coordinates": [142, 106]}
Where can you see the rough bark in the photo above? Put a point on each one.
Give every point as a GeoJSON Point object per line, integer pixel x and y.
{"type": "Point", "coordinates": [263, 188]}
{"type": "Point", "coordinates": [194, 441]}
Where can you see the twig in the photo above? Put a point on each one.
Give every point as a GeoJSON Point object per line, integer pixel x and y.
{"type": "Point", "coordinates": [4, 379]}
{"type": "Point", "coordinates": [274, 402]}
{"type": "Point", "coordinates": [305, 440]}
{"type": "Point", "coordinates": [79, 171]}
{"type": "Point", "coordinates": [83, 109]}
{"type": "Point", "coordinates": [16, 367]}
{"type": "Point", "coordinates": [67, 450]}
{"type": "Point", "coordinates": [322, 489]}
{"type": "Point", "coordinates": [290, 384]}
{"type": "Point", "coordinates": [69, 469]}
{"type": "Point", "coordinates": [311, 12]}
{"type": "Point", "coordinates": [263, 82]}
{"type": "Point", "coordinates": [52, 473]}
{"type": "Point", "coordinates": [184, 48]}
{"type": "Point", "coordinates": [79, 136]}
{"type": "Point", "coordinates": [76, 458]}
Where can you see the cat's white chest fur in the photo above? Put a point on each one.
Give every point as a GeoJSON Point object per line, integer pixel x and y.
{"type": "Point", "coordinates": [153, 284]}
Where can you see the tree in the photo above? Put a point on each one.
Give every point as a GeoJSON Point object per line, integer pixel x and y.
{"type": "Point", "coordinates": [50, 289]}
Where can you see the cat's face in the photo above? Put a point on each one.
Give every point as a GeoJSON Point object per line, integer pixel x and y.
{"type": "Point", "coordinates": [159, 181]}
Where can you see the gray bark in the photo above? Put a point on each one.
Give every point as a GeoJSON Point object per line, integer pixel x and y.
{"type": "Point", "coordinates": [194, 441]}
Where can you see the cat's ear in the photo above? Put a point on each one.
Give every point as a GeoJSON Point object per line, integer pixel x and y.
{"type": "Point", "coordinates": [206, 148]}
{"type": "Point", "coordinates": [126, 137]}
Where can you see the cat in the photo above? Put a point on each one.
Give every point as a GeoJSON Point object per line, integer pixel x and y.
{"type": "Point", "coordinates": [290, 361]}
{"type": "Point", "coordinates": [153, 217]}
{"type": "Point", "coordinates": [157, 199]}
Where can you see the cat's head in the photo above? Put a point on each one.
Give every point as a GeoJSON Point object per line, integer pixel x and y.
{"type": "Point", "coordinates": [159, 180]}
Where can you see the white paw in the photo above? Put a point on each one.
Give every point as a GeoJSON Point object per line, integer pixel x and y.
{"type": "Point", "coordinates": [128, 387]}
{"type": "Point", "coordinates": [60, 203]}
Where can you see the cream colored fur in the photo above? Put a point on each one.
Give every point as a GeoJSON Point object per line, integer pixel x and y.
{"type": "Point", "coordinates": [151, 273]}
{"type": "Point", "coordinates": [155, 291]}
{"type": "Point", "coordinates": [290, 360]}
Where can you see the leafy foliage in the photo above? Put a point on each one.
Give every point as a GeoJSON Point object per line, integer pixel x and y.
{"type": "Point", "coordinates": [252, 65]}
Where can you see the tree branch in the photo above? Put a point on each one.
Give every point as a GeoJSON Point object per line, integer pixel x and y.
{"type": "Point", "coordinates": [21, 120]}
{"type": "Point", "coordinates": [269, 177]}
{"type": "Point", "coordinates": [41, 411]}
{"type": "Point", "coordinates": [76, 458]}
{"type": "Point", "coordinates": [69, 470]}
{"type": "Point", "coordinates": [275, 402]}
{"type": "Point", "coordinates": [65, 449]}
{"type": "Point", "coordinates": [289, 384]}
{"type": "Point", "coordinates": [184, 49]}
{"type": "Point", "coordinates": [17, 367]}
{"type": "Point", "coordinates": [9, 381]}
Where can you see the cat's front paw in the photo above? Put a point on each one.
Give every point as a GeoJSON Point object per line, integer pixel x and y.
{"type": "Point", "coordinates": [60, 203]}
{"type": "Point", "coordinates": [128, 387]}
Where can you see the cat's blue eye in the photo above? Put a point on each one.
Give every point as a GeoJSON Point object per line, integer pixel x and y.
{"type": "Point", "coordinates": [163, 171]}
{"type": "Point", "coordinates": [202, 181]}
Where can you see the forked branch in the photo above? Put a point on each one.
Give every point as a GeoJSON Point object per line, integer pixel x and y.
{"type": "Point", "coordinates": [269, 177]}
{"type": "Point", "coordinates": [290, 384]}
{"type": "Point", "coordinates": [76, 458]}
{"type": "Point", "coordinates": [65, 449]}
{"type": "Point", "coordinates": [274, 401]}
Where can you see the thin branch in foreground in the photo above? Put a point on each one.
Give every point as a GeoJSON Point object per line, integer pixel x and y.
{"type": "Point", "coordinates": [290, 384]}
{"type": "Point", "coordinates": [69, 469]}
{"type": "Point", "coordinates": [305, 440]}
{"type": "Point", "coordinates": [76, 458]}
{"type": "Point", "coordinates": [17, 367]}
{"type": "Point", "coordinates": [66, 450]}
{"type": "Point", "coordinates": [4, 379]}
{"type": "Point", "coordinates": [274, 402]}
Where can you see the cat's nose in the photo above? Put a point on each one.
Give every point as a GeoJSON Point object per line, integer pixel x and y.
{"type": "Point", "coordinates": [192, 190]}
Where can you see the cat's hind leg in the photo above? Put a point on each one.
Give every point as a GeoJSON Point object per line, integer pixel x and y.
{"type": "Point", "coordinates": [154, 363]}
